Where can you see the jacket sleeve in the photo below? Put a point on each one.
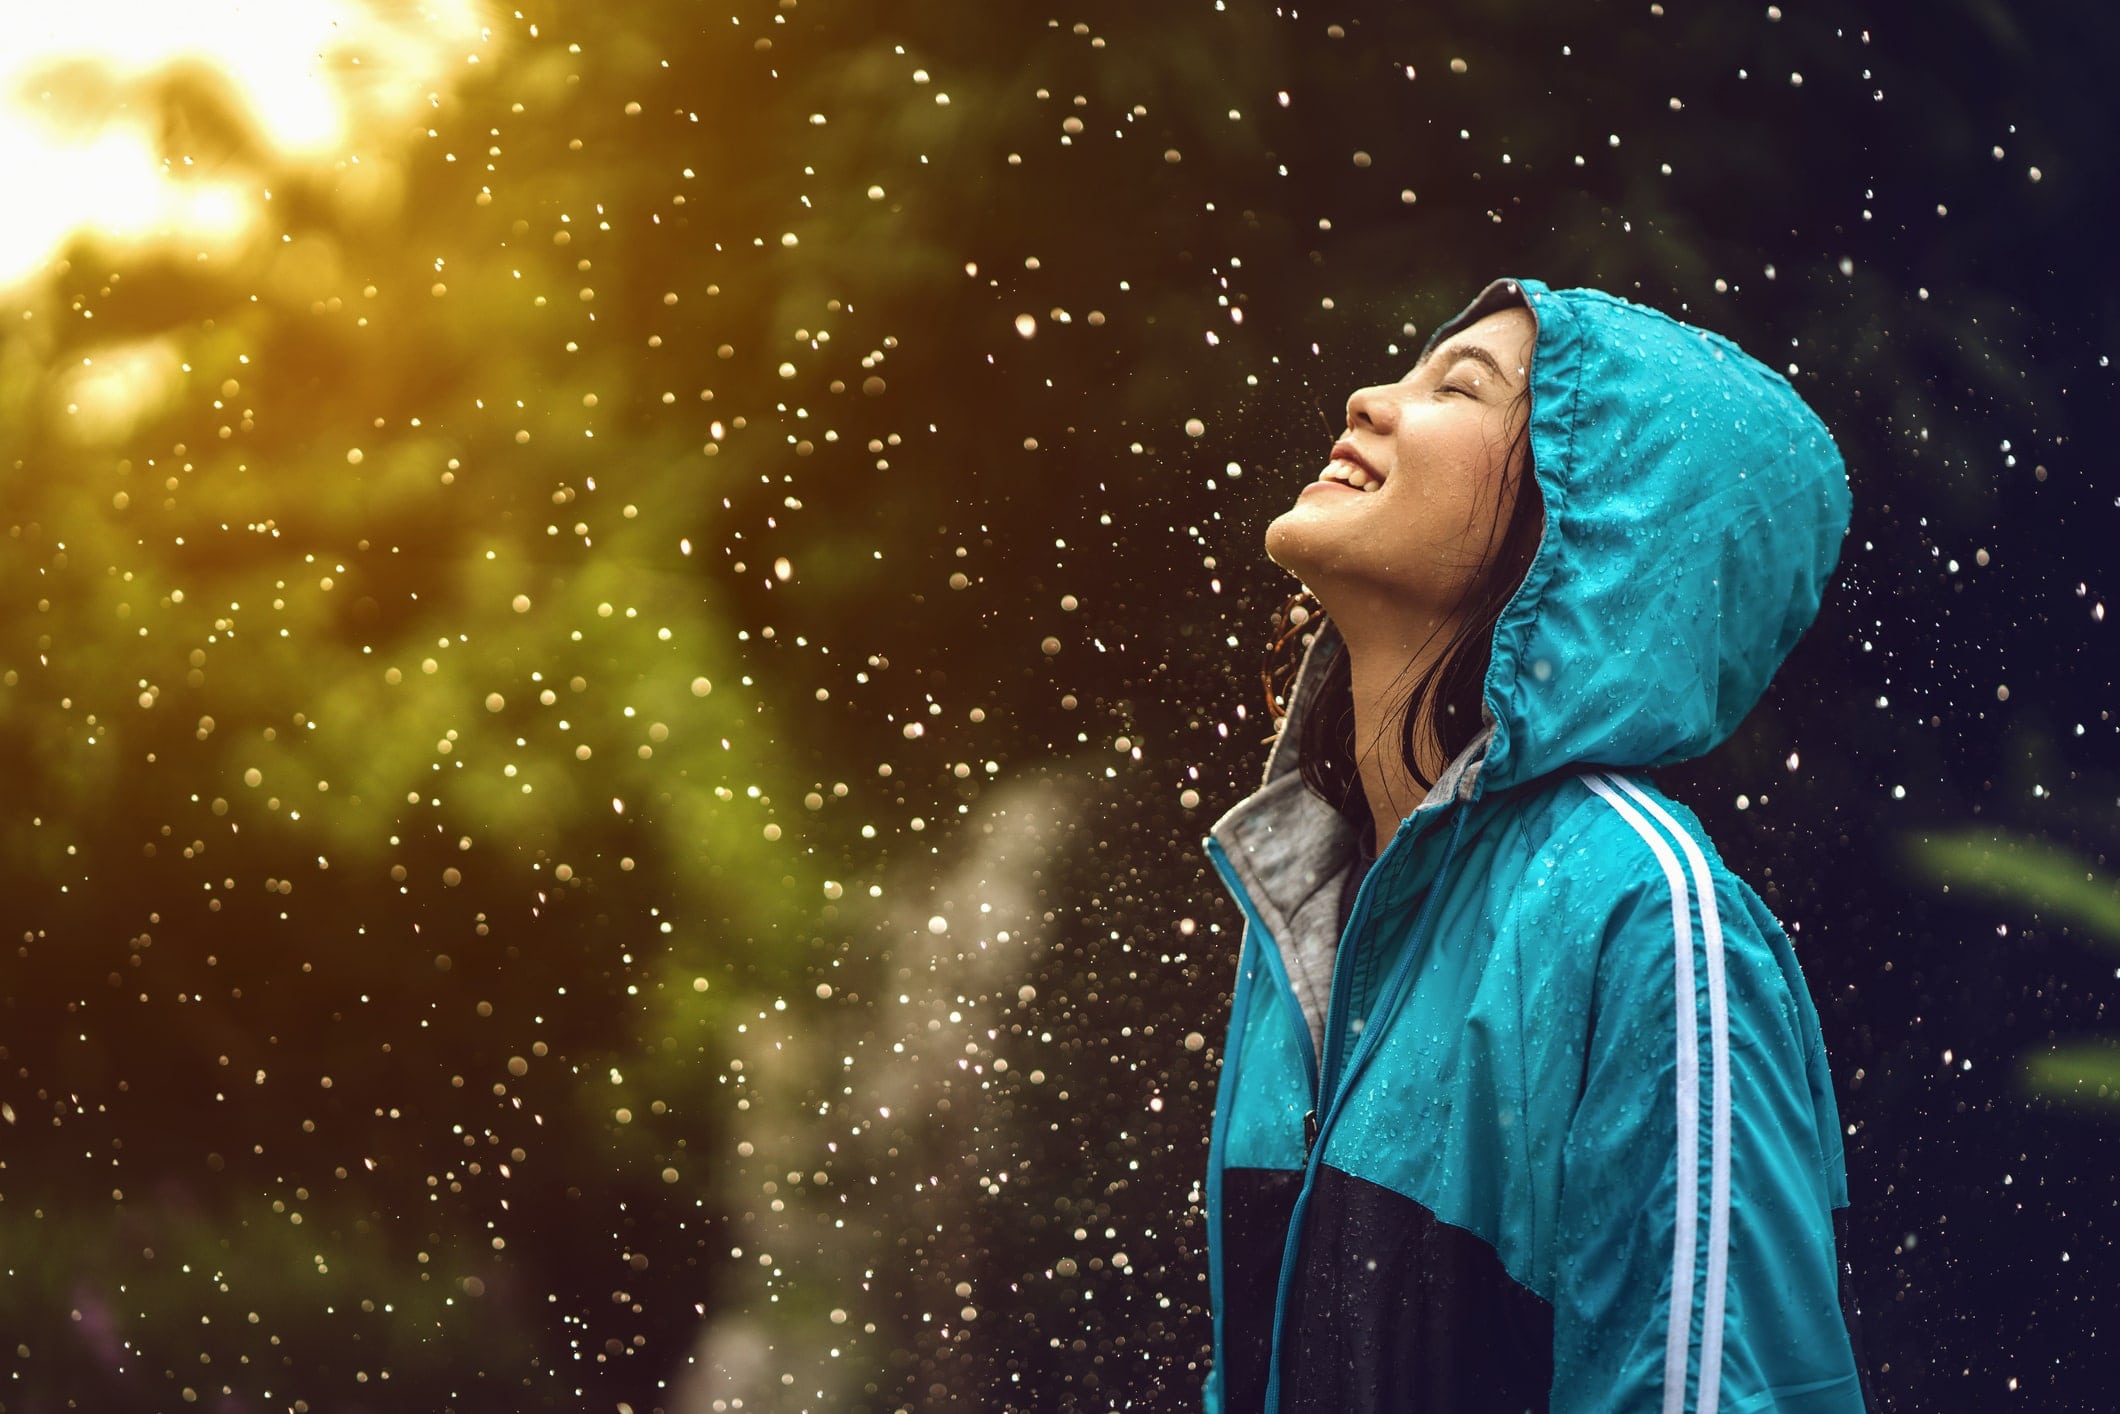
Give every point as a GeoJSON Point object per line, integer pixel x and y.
{"type": "Point", "coordinates": [1694, 1263]}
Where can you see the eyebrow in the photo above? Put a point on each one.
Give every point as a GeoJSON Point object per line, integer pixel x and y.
{"type": "Point", "coordinates": [1443, 358]}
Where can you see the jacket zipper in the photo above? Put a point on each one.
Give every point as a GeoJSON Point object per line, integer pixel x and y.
{"type": "Point", "coordinates": [1324, 1075]}
{"type": "Point", "coordinates": [1319, 1073]}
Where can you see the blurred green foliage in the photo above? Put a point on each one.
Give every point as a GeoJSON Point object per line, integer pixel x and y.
{"type": "Point", "coordinates": [2058, 888]}
{"type": "Point", "coordinates": [2056, 884]}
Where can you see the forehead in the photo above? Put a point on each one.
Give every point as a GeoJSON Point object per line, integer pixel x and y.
{"type": "Point", "coordinates": [1505, 331]}
{"type": "Point", "coordinates": [1506, 335]}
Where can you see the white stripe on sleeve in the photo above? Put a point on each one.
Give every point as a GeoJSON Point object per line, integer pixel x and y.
{"type": "Point", "coordinates": [1711, 1339]}
{"type": "Point", "coordinates": [1684, 1240]}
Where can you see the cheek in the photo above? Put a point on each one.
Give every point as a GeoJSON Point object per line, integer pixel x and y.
{"type": "Point", "coordinates": [1453, 482]}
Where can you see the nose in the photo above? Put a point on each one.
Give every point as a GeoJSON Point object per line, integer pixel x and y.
{"type": "Point", "coordinates": [1372, 409]}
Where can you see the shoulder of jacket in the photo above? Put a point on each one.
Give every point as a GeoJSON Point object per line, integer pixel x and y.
{"type": "Point", "coordinates": [1566, 825]}
{"type": "Point", "coordinates": [1600, 842]}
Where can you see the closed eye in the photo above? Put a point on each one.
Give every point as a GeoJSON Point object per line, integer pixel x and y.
{"type": "Point", "coordinates": [1454, 388]}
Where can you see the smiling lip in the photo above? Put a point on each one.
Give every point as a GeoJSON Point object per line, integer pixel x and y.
{"type": "Point", "coordinates": [1344, 451]}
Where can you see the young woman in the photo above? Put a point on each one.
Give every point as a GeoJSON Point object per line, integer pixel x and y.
{"type": "Point", "coordinates": [1524, 1104]}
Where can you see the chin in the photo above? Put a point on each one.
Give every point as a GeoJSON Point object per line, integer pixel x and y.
{"type": "Point", "coordinates": [1292, 543]}
{"type": "Point", "coordinates": [1285, 541]}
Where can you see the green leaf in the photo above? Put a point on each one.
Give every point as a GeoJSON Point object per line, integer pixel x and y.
{"type": "Point", "coordinates": [2058, 884]}
{"type": "Point", "coordinates": [2087, 1072]}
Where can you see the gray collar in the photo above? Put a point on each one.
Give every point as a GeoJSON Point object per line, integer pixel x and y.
{"type": "Point", "coordinates": [1289, 849]}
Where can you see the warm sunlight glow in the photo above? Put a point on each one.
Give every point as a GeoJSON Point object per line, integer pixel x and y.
{"type": "Point", "coordinates": [86, 91]}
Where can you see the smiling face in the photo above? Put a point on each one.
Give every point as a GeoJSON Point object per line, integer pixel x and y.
{"type": "Point", "coordinates": [1402, 517]}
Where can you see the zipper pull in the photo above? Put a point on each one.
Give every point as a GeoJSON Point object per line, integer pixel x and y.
{"type": "Point", "coordinates": [1310, 1133]}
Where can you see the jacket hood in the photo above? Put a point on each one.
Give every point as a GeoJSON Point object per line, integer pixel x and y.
{"type": "Point", "coordinates": [1695, 507]}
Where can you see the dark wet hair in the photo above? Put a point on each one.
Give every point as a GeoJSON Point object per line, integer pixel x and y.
{"type": "Point", "coordinates": [1447, 697]}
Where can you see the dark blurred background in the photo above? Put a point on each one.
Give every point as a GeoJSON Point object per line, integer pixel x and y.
{"type": "Point", "coordinates": [621, 624]}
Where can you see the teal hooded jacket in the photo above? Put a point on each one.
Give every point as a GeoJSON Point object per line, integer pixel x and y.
{"type": "Point", "coordinates": [1547, 1123]}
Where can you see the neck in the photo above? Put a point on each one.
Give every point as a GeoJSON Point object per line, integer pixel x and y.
{"type": "Point", "coordinates": [1382, 668]}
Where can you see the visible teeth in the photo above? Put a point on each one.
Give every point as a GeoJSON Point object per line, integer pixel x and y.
{"type": "Point", "coordinates": [1350, 475]}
